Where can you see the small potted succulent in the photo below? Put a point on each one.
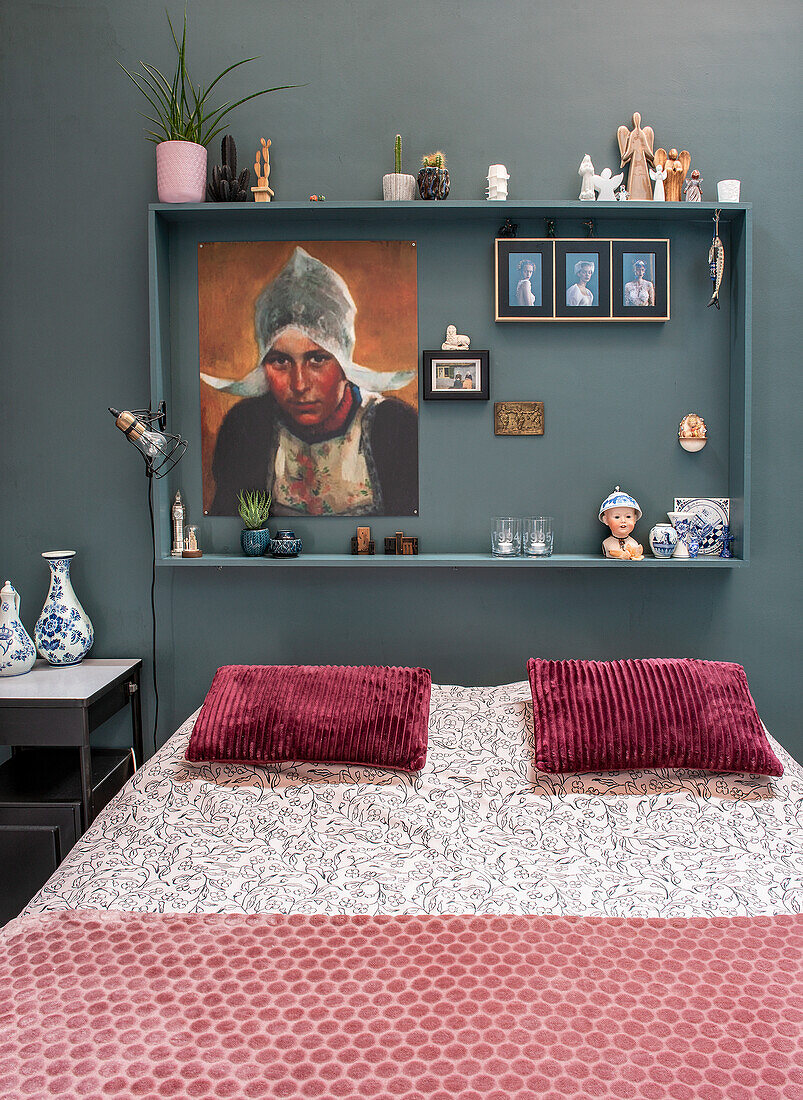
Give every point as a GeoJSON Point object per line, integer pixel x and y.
{"type": "Point", "coordinates": [397, 185]}
{"type": "Point", "coordinates": [433, 179]}
{"type": "Point", "coordinates": [225, 185]}
{"type": "Point", "coordinates": [185, 122]}
{"type": "Point", "coordinates": [254, 509]}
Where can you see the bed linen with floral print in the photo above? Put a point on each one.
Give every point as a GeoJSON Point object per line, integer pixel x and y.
{"type": "Point", "coordinates": [478, 830]}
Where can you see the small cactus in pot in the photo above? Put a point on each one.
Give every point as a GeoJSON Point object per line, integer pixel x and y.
{"type": "Point", "coordinates": [225, 185]}
{"type": "Point", "coordinates": [397, 185]}
{"type": "Point", "coordinates": [254, 509]}
{"type": "Point", "coordinates": [433, 179]}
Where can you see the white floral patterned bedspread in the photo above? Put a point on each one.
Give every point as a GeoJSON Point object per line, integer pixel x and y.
{"type": "Point", "coordinates": [478, 831]}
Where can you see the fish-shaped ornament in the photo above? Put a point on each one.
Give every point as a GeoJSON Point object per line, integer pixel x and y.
{"type": "Point", "coordinates": [716, 262]}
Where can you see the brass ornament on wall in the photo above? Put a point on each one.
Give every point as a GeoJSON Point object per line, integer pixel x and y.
{"type": "Point", "coordinates": [518, 418]}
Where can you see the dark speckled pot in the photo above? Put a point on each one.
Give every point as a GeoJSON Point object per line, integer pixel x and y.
{"type": "Point", "coordinates": [285, 545]}
{"type": "Point", "coordinates": [433, 183]}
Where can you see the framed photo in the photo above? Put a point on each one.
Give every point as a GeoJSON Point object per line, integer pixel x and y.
{"type": "Point", "coordinates": [456, 376]}
{"type": "Point", "coordinates": [582, 279]}
{"type": "Point", "coordinates": [640, 280]}
{"type": "Point", "coordinates": [524, 282]}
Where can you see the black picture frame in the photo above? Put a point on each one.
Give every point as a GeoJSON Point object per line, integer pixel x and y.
{"type": "Point", "coordinates": [509, 254]}
{"type": "Point", "coordinates": [456, 362]}
{"type": "Point", "coordinates": [655, 254]}
{"type": "Point", "coordinates": [569, 252]}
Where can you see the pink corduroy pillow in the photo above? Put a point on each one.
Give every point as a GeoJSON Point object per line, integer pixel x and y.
{"type": "Point", "coordinates": [658, 713]}
{"type": "Point", "coordinates": [263, 714]}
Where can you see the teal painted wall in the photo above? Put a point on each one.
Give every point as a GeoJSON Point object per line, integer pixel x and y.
{"type": "Point", "coordinates": [532, 85]}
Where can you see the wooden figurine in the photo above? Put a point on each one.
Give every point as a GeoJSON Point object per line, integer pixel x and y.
{"type": "Point", "coordinates": [401, 544]}
{"type": "Point", "coordinates": [692, 188]}
{"type": "Point", "coordinates": [677, 165]}
{"type": "Point", "coordinates": [262, 193]}
{"type": "Point", "coordinates": [362, 543]}
{"type": "Point", "coordinates": [621, 512]}
{"type": "Point", "coordinates": [636, 148]}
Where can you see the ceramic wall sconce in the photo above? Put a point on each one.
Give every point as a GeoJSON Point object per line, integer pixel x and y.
{"type": "Point", "coordinates": [692, 434]}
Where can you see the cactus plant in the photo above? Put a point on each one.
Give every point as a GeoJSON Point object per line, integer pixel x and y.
{"type": "Point", "coordinates": [434, 160]}
{"type": "Point", "coordinates": [225, 185]}
{"type": "Point", "coordinates": [398, 154]}
{"type": "Point", "coordinates": [254, 509]}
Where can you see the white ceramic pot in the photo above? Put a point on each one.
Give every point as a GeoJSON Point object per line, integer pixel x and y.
{"type": "Point", "coordinates": [63, 634]}
{"type": "Point", "coordinates": [180, 171]}
{"type": "Point", "coordinates": [663, 540]}
{"type": "Point", "coordinates": [729, 190]}
{"type": "Point", "coordinates": [398, 186]}
{"type": "Point", "coordinates": [17, 652]}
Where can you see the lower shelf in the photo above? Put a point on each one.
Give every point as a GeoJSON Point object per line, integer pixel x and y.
{"type": "Point", "coordinates": [52, 775]}
{"type": "Point", "coordinates": [449, 561]}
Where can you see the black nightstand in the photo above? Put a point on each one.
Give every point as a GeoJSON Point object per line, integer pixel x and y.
{"type": "Point", "coordinates": [55, 783]}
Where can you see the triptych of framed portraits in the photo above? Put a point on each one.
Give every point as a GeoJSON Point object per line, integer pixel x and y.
{"type": "Point", "coordinates": [587, 279]}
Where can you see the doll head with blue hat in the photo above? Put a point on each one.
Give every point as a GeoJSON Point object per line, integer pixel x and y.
{"type": "Point", "coordinates": [621, 512]}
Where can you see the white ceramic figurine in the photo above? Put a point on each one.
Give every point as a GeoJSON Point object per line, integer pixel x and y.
{"type": "Point", "coordinates": [586, 170]}
{"type": "Point", "coordinates": [606, 185]}
{"type": "Point", "coordinates": [453, 340]}
{"type": "Point", "coordinates": [621, 512]}
{"type": "Point", "coordinates": [497, 183]}
{"type": "Point", "coordinates": [659, 175]}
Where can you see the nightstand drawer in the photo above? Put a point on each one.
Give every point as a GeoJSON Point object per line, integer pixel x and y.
{"type": "Point", "coordinates": [28, 857]}
{"type": "Point", "coordinates": [65, 817]}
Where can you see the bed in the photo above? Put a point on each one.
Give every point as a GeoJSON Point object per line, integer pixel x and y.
{"type": "Point", "coordinates": [343, 907]}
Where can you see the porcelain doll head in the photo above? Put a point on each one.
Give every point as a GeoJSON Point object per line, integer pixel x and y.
{"type": "Point", "coordinates": [620, 512]}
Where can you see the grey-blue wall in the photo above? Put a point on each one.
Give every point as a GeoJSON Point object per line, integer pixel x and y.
{"type": "Point", "coordinates": [535, 85]}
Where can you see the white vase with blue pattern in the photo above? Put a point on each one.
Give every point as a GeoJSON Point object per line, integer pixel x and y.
{"type": "Point", "coordinates": [17, 652]}
{"type": "Point", "coordinates": [63, 634]}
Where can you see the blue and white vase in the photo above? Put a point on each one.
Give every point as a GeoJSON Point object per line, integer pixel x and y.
{"type": "Point", "coordinates": [63, 634]}
{"type": "Point", "coordinates": [663, 540]}
{"type": "Point", "coordinates": [17, 651]}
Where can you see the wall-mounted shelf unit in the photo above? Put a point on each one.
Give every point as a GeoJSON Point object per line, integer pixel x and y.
{"type": "Point", "coordinates": [613, 398]}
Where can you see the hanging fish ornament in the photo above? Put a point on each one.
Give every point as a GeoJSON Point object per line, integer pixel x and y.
{"type": "Point", "coordinates": [716, 262]}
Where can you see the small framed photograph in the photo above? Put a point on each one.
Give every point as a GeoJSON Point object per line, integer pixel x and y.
{"type": "Point", "coordinates": [456, 376]}
{"type": "Point", "coordinates": [640, 280]}
{"type": "Point", "coordinates": [524, 279]}
{"type": "Point", "coordinates": [582, 279]}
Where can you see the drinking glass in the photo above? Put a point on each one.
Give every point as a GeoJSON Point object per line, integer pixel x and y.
{"type": "Point", "coordinates": [506, 537]}
{"type": "Point", "coordinates": [538, 536]}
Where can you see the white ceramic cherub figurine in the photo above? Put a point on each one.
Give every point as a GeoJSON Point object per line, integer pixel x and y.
{"type": "Point", "coordinates": [606, 184]}
{"type": "Point", "coordinates": [659, 175]}
{"type": "Point", "coordinates": [454, 340]}
{"type": "Point", "coordinates": [620, 512]}
{"type": "Point", "coordinates": [586, 170]}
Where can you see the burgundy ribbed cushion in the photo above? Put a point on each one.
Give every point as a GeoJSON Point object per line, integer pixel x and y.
{"type": "Point", "coordinates": [261, 714]}
{"type": "Point", "coordinates": [660, 713]}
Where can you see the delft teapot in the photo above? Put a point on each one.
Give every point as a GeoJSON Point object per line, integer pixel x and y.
{"type": "Point", "coordinates": [17, 651]}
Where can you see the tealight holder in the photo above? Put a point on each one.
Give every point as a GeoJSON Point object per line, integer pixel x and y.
{"type": "Point", "coordinates": [537, 536]}
{"type": "Point", "coordinates": [506, 537]}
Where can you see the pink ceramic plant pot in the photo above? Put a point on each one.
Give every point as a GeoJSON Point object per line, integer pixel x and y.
{"type": "Point", "coordinates": [180, 171]}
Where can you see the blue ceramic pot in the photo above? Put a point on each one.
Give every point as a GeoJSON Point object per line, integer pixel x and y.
{"type": "Point", "coordinates": [285, 545]}
{"type": "Point", "coordinates": [255, 543]}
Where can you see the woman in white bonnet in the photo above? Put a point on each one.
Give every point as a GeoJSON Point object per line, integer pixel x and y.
{"type": "Point", "coordinates": [315, 429]}
{"type": "Point", "coordinates": [578, 293]}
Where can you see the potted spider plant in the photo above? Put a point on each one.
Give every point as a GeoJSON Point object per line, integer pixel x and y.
{"type": "Point", "coordinates": [185, 121]}
{"type": "Point", "coordinates": [254, 509]}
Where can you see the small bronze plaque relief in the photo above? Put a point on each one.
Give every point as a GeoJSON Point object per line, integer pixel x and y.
{"type": "Point", "coordinates": [518, 418]}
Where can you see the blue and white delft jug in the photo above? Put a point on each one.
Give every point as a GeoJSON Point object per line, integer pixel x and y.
{"type": "Point", "coordinates": [17, 652]}
{"type": "Point", "coordinates": [63, 634]}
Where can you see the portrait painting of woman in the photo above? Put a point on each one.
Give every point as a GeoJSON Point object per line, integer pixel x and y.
{"type": "Point", "coordinates": [525, 279]}
{"type": "Point", "coordinates": [325, 435]}
{"type": "Point", "coordinates": [579, 292]}
{"type": "Point", "coordinates": [638, 290]}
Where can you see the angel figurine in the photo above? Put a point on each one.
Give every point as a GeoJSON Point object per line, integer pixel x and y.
{"type": "Point", "coordinates": [658, 174]}
{"type": "Point", "coordinates": [692, 191]}
{"type": "Point", "coordinates": [636, 148]}
{"type": "Point", "coordinates": [606, 184]}
{"type": "Point", "coordinates": [677, 165]}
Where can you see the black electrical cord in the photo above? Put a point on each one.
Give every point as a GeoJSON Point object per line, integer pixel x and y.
{"type": "Point", "coordinates": [153, 607]}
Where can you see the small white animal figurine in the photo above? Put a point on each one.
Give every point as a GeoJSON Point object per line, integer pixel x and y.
{"type": "Point", "coordinates": [497, 183]}
{"type": "Point", "coordinates": [453, 340]}
{"type": "Point", "coordinates": [659, 175]}
{"type": "Point", "coordinates": [622, 195]}
{"type": "Point", "coordinates": [606, 184]}
{"type": "Point", "coordinates": [586, 170]}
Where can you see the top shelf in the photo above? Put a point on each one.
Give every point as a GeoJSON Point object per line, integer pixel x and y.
{"type": "Point", "coordinates": [337, 210]}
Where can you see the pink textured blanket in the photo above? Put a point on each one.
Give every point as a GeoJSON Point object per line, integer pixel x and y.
{"type": "Point", "coordinates": [98, 1005]}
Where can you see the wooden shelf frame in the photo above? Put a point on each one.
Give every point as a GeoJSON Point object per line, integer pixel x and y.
{"type": "Point", "coordinates": [360, 219]}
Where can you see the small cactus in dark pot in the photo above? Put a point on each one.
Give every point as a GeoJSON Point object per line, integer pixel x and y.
{"type": "Point", "coordinates": [225, 185]}
{"type": "Point", "coordinates": [433, 179]}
